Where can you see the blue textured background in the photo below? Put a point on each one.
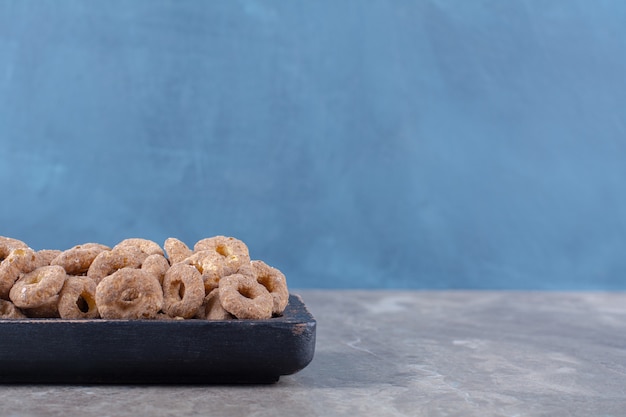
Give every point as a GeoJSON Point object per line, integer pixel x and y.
{"type": "Point", "coordinates": [406, 144]}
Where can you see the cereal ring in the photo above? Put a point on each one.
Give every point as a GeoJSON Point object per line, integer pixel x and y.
{"type": "Point", "coordinates": [210, 265]}
{"type": "Point", "coordinates": [77, 299]}
{"type": "Point", "coordinates": [247, 269]}
{"type": "Point", "coordinates": [243, 297]}
{"type": "Point", "coordinates": [156, 265]}
{"type": "Point", "coordinates": [95, 245]}
{"type": "Point", "coordinates": [129, 294]}
{"type": "Point", "coordinates": [275, 283]}
{"type": "Point", "coordinates": [176, 250]}
{"type": "Point", "coordinates": [78, 259]}
{"type": "Point", "coordinates": [163, 316]}
{"type": "Point", "coordinates": [108, 262]}
{"type": "Point", "coordinates": [183, 291]}
{"type": "Point", "coordinates": [49, 309]}
{"type": "Point", "coordinates": [147, 246]}
{"type": "Point", "coordinates": [34, 288]}
{"type": "Point", "coordinates": [233, 251]}
{"type": "Point", "coordinates": [45, 256]}
{"type": "Point", "coordinates": [7, 244]}
{"type": "Point", "coordinates": [9, 311]}
{"type": "Point", "coordinates": [211, 308]}
{"type": "Point", "coordinates": [18, 261]}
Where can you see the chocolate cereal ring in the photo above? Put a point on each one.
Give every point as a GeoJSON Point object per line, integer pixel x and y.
{"type": "Point", "coordinates": [15, 263]}
{"type": "Point", "coordinates": [35, 288]}
{"type": "Point", "coordinates": [78, 259]}
{"type": "Point", "coordinates": [77, 299]}
{"type": "Point", "coordinates": [9, 311]}
{"type": "Point", "coordinates": [211, 308]}
{"type": "Point", "coordinates": [147, 246]}
{"type": "Point", "coordinates": [275, 283]}
{"type": "Point", "coordinates": [129, 294]}
{"type": "Point", "coordinates": [176, 250]}
{"type": "Point", "coordinates": [107, 262]}
{"type": "Point", "coordinates": [243, 297]}
{"type": "Point", "coordinates": [156, 265]}
{"type": "Point", "coordinates": [45, 256]}
{"type": "Point", "coordinates": [234, 252]}
{"type": "Point", "coordinates": [183, 291]}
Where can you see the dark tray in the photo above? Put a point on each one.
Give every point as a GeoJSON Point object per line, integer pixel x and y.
{"type": "Point", "coordinates": [154, 351]}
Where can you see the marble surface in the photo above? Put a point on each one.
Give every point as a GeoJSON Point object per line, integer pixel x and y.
{"type": "Point", "coordinates": [393, 353]}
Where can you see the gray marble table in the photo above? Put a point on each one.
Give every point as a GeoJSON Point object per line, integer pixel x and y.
{"type": "Point", "coordinates": [401, 353]}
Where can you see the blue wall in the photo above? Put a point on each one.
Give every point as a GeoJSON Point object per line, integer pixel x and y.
{"type": "Point", "coordinates": [406, 144]}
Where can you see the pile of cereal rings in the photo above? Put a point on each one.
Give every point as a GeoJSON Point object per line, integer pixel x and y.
{"type": "Point", "coordinates": [137, 279]}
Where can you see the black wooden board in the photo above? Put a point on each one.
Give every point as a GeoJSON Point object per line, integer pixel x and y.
{"type": "Point", "coordinates": [156, 351]}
